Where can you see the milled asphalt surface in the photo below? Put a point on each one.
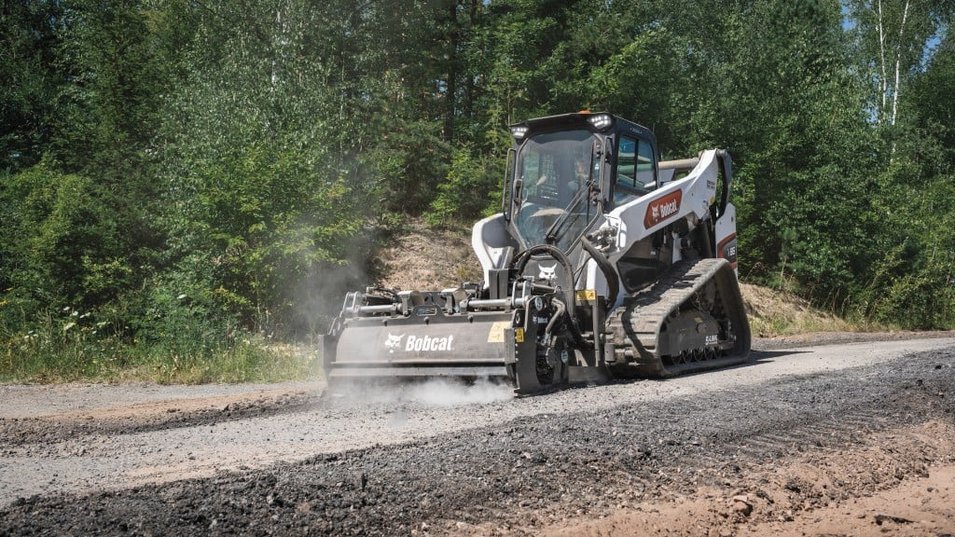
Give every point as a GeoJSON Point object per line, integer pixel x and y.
{"type": "Point", "coordinates": [386, 462]}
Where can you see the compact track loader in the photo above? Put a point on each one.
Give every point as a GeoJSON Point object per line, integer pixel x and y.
{"type": "Point", "coordinates": [605, 262]}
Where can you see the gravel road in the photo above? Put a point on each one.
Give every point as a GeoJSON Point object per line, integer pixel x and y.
{"type": "Point", "coordinates": [807, 439]}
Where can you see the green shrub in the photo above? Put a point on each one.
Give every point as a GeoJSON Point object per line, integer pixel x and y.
{"type": "Point", "coordinates": [471, 188]}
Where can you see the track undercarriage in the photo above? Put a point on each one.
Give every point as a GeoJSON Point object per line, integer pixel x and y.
{"type": "Point", "coordinates": [691, 320]}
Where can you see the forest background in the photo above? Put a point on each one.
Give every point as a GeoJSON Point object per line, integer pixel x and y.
{"type": "Point", "coordinates": [185, 182]}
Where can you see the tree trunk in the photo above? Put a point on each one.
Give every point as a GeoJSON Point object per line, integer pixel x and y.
{"type": "Point", "coordinates": [898, 60]}
{"type": "Point", "coordinates": [883, 82]}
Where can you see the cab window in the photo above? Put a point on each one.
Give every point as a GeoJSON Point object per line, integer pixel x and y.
{"type": "Point", "coordinates": [635, 169]}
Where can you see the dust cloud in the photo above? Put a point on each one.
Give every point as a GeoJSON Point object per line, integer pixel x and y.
{"type": "Point", "coordinates": [428, 393]}
{"type": "Point", "coordinates": [442, 392]}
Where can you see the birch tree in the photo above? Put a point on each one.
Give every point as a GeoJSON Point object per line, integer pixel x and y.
{"type": "Point", "coordinates": [895, 39]}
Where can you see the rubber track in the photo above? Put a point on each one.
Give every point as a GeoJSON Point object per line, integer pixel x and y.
{"type": "Point", "coordinates": [636, 324]}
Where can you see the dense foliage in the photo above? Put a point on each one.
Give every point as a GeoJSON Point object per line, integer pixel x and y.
{"type": "Point", "coordinates": [175, 171]}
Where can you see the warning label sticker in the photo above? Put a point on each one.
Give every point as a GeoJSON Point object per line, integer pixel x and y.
{"type": "Point", "coordinates": [496, 334]}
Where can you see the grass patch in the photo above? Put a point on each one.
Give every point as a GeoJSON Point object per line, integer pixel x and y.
{"type": "Point", "coordinates": [47, 356]}
{"type": "Point", "coordinates": [774, 313]}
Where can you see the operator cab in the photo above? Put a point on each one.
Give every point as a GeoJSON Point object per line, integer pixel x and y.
{"type": "Point", "coordinates": [571, 168]}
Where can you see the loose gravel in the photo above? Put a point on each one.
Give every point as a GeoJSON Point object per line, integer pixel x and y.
{"type": "Point", "coordinates": [580, 453]}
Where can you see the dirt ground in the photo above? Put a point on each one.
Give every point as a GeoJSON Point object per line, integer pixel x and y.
{"type": "Point", "coordinates": [839, 439]}
{"type": "Point", "coordinates": [425, 258]}
{"type": "Point", "coordinates": [865, 490]}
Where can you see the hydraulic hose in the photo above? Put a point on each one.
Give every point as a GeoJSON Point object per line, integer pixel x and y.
{"type": "Point", "coordinates": [521, 263]}
{"type": "Point", "coordinates": [571, 325]}
{"type": "Point", "coordinates": [613, 281]}
{"type": "Point", "coordinates": [561, 308]}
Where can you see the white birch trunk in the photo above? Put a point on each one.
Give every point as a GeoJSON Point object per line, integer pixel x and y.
{"type": "Point", "coordinates": [898, 61]}
{"type": "Point", "coordinates": [883, 82]}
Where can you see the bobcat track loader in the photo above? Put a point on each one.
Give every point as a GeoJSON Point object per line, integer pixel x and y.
{"type": "Point", "coordinates": [604, 263]}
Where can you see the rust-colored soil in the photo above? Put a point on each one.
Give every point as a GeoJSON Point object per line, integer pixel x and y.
{"type": "Point", "coordinates": [882, 488]}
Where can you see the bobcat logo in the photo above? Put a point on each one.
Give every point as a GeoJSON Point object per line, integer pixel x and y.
{"type": "Point", "coordinates": [394, 342]}
{"type": "Point", "coordinates": [548, 273]}
{"type": "Point", "coordinates": [662, 208]}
